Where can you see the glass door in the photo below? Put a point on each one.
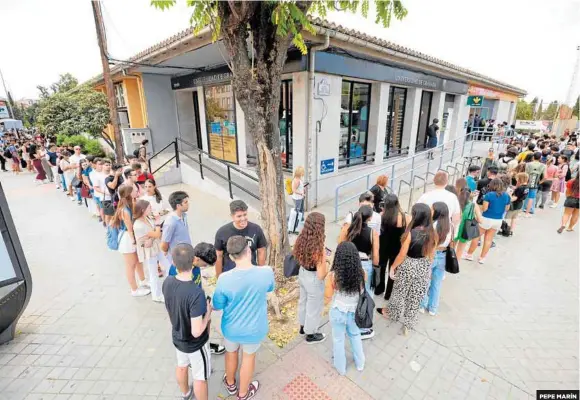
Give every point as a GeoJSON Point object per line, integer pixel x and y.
{"type": "Point", "coordinates": [285, 123]}
{"type": "Point", "coordinates": [395, 120]}
{"type": "Point", "coordinates": [424, 120]}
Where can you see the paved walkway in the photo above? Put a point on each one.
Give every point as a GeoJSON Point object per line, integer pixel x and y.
{"type": "Point", "coordinates": [504, 330]}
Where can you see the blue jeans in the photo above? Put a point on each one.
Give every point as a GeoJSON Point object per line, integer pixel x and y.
{"type": "Point", "coordinates": [368, 268]}
{"type": "Point", "coordinates": [530, 198]}
{"type": "Point", "coordinates": [343, 324]}
{"type": "Point", "coordinates": [63, 181]}
{"type": "Point", "coordinates": [431, 300]}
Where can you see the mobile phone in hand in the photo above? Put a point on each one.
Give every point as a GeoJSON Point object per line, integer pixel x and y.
{"type": "Point", "coordinates": [328, 251]}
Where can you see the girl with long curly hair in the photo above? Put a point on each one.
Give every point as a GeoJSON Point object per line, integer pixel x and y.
{"type": "Point", "coordinates": [309, 252]}
{"type": "Point", "coordinates": [346, 280]}
{"type": "Point", "coordinates": [412, 268]}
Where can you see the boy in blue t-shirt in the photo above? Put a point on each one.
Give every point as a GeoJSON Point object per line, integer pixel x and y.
{"type": "Point", "coordinates": [472, 173]}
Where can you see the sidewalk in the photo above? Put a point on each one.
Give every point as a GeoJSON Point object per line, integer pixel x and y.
{"type": "Point", "coordinates": [505, 329]}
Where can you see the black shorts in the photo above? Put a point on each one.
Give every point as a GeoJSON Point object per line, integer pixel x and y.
{"type": "Point", "coordinates": [572, 202]}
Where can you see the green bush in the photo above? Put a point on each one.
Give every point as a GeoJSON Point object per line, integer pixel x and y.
{"type": "Point", "coordinates": [88, 146]}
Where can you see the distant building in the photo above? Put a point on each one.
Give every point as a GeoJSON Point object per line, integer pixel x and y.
{"type": "Point", "coordinates": [25, 103]}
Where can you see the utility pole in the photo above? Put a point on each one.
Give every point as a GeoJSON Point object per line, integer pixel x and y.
{"type": "Point", "coordinates": [110, 91]}
{"type": "Point", "coordinates": [8, 97]}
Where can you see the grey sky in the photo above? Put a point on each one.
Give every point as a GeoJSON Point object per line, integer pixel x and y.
{"type": "Point", "coordinates": [527, 43]}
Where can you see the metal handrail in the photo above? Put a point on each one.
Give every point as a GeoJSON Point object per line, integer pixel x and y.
{"type": "Point", "coordinates": [411, 191]}
{"type": "Point", "coordinates": [225, 163]}
{"type": "Point", "coordinates": [370, 157]}
{"type": "Point", "coordinates": [392, 167]}
{"type": "Point", "coordinates": [157, 153]}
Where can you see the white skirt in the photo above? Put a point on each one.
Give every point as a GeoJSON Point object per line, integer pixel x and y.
{"type": "Point", "coordinates": [126, 246]}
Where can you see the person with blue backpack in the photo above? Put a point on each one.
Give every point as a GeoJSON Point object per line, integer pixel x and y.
{"type": "Point", "coordinates": [120, 236]}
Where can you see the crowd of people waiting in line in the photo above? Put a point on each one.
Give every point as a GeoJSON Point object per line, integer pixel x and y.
{"type": "Point", "coordinates": [381, 249]}
{"type": "Point", "coordinates": [384, 250]}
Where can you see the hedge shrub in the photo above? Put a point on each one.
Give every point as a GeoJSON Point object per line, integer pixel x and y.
{"type": "Point", "coordinates": [88, 146]}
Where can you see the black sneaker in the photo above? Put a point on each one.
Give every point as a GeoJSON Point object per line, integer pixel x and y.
{"type": "Point", "coordinates": [231, 389]}
{"type": "Point", "coordinates": [302, 329]}
{"type": "Point", "coordinates": [367, 334]}
{"type": "Point", "coordinates": [252, 390]}
{"type": "Point", "coordinates": [80, 203]}
{"type": "Point", "coordinates": [216, 349]}
{"type": "Point", "coordinates": [315, 338]}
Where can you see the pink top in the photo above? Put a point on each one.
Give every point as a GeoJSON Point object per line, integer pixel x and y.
{"type": "Point", "coordinates": [551, 172]}
{"type": "Point", "coordinates": [562, 170]}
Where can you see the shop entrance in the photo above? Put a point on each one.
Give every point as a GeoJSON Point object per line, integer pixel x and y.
{"type": "Point", "coordinates": [395, 120]}
{"type": "Point", "coordinates": [424, 120]}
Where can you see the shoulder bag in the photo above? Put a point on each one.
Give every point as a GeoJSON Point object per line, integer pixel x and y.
{"type": "Point", "coordinates": [451, 262]}
{"type": "Point", "coordinates": [363, 316]}
{"type": "Point", "coordinates": [470, 225]}
{"type": "Point", "coordinates": [291, 266]}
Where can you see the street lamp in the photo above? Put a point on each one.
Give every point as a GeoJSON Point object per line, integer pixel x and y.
{"type": "Point", "coordinates": [15, 279]}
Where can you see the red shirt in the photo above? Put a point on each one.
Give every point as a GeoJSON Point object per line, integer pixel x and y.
{"type": "Point", "coordinates": [569, 190]}
{"type": "Point", "coordinates": [143, 177]}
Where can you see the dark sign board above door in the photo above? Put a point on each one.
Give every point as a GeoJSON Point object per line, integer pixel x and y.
{"type": "Point", "coordinates": [338, 64]}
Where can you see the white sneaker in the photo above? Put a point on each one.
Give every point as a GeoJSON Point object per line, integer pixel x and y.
{"type": "Point", "coordinates": [160, 299]}
{"type": "Point", "coordinates": [431, 313]}
{"type": "Point", "coordinates": [421, 310]}
{"type": "Point", "coordinates": [468, 257]}
{"type": "Point", "coordinates": [140, 292]}
{"type": "Point", "coordinates": [72, 198]}
{"type": "Point", "coordinates": [481, 260]}
{"type": "Point", "coordinates": [554, 205]}
{"type": "Point", "coordinates": [144, 284]}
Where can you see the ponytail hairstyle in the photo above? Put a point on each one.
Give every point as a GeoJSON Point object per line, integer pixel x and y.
{"type": "Point", "coordinates": [441, 217]}
{"type": "Point", "coordinates": [158, 197]}
{"type": "Point", "coordinates": [358, 220]}
{"type": "Point", "coordinates": [125, 201]}
{"type": "Point", "coordinates": [463, 197]}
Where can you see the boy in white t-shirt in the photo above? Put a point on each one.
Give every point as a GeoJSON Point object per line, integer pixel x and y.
{"type": "Point", "coordinates": [366, 199]}
{"type": "Point", "coordinates": [97, 179]}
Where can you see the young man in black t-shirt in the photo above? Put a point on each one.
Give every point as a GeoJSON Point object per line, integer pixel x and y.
{"type": "Point", "coordinates": [190, 315]}
{"type": "Point", "coordinates": [482, 184]}
{"type": "Point", "coordinates": [240, 226]}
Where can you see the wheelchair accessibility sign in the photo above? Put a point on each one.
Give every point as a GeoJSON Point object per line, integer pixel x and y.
{"type": "Point", "coordinates": [327, 166]}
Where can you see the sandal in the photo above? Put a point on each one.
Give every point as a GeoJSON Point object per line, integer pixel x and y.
{"type": "Point", "coordinates": [380, 312]}
{"type": "Point", "coordinates": [561, 229]}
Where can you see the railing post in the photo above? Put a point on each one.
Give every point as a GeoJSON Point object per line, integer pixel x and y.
{"type": "Point", "coordinates": [471, 150]}
{"type": "Point", "coordinates": [441, 157]}
{"type": "Point", "coordinates": [230, 183]}
{"type": "Point", "coordinates": [393, 177]}
{"type": "Point", "coordinates": [149, 164]}
{"type": "Point", "coordinates": [368, 181]}
{"type": "Point", "coordinates": [200, 165]}
{"type": "Point", "coordinates": [176, 153]}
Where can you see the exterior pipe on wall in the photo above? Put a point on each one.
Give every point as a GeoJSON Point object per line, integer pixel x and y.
{"type": "Point", "coordinates": [312, 159]}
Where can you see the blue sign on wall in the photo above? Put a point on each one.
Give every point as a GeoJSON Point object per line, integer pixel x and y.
{"type": "Point", "coordinates": [216, 127]}
{"type": "Point", "coordinates": [327, 166]}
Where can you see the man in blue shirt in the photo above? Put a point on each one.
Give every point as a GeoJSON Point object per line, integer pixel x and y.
{"type": "Point", "coordinates": [176, 231]}
{"type": "Point", "coordinates": [472, 172]}
{"type": "Point", "coordinates": [242, 295]}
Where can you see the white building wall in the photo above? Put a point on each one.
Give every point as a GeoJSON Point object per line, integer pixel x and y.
{"type": "Point", "coordinates": [378, 120]}
{"type": "Point", "coordinates": [411, 124]}
{"type": "Point", "coordinates": [459, 117]}
{"type": "Point", "coordinates": [326, 109]}
{"type": "Point", "coordinates": [512, 113]}
{"type": "Point", "coordinates": [299, 118]}
{"type": "Point", "coordinates": [502, 111]}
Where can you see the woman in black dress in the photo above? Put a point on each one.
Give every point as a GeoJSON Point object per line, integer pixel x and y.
{"type": "Point", "coordinates": [393, 224]}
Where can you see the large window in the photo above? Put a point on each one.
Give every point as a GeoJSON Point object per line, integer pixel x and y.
{"type": "Point", "coordinates": [285, 121]}
{"type": "Point", "coordinates": [354, 122]}
{"type": "Point", "coordinates": [395, 120]}
{"type": "Point", "coordinates": [221, 122]}
{"type": "Point", "coordinates": [122, 111]}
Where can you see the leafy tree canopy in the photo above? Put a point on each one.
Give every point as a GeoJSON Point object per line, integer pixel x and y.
{"type": "Point", "coordinates": [81, 110]}
{"type": "Point", "coordinates": [289, 17]}
{"type": "Point", "coordinates": [524, 110]}
{"type": "Point", "coordinates": [65, 83]}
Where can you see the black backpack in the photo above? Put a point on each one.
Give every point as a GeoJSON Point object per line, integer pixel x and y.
{"type": "Point", "coordinates": [7, 153]}
{"type": "Point", "coordinates": [568, 174]}
{"type": "Point", "coordinates": [363, 316]}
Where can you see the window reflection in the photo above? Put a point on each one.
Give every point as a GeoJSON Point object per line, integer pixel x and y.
{"type": "Point", "coordinates": [354, 117]}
